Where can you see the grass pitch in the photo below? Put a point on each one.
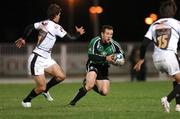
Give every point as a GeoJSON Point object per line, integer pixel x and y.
{"type": "Point", "coordinates": [126, 100]}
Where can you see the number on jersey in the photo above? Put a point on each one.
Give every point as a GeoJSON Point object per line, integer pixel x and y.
{"type": "Point", "coordinates": [163, 37]}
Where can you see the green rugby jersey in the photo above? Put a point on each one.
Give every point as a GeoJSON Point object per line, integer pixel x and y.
{"type": "Point", "coordinates": [97, 50]}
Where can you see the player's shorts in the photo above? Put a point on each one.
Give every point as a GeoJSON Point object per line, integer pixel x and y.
{"type": "Point", "coordinates": [37, 64]}
{"type": "Point", "coordinates": [166, 61]}
{"type": "Point", "coordinates": [101, 70]}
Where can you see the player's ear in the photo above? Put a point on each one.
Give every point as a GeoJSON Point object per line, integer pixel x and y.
{"type": "Point", "coordinates": [101, 33]}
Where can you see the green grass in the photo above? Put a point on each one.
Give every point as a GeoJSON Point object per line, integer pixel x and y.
{"type": "Point", "coordinates": [126, 100]}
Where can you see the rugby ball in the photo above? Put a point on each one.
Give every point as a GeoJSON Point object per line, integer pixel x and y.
{"type": "Point", "coordinates": [119, 59]}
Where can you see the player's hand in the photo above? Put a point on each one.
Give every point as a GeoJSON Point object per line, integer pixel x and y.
{"type": "Point", "coordinates": [20, 42]}
{"type": "Point", "coordinates": [122, 62]}
{"type": "Point", "coordinates": [80, 30]}
{"type": "Point", "coordinates": [110, 58]}
{"type": "Point", "coordinates": [137, 67]}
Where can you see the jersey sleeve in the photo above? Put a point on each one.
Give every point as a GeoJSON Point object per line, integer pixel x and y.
{"type": "Point", "coordinates": [28, 30]}
{"type": "Point", "coordinates": [118, 48]}
{"type": "Point", "coordinates": [93, 51]}
{"type": "Point", "coordinates": [92, 47]}
{"type": "Point", "coordinates": [41, 25]}
{"type": "Point", "coordinates": [60, 31]}
{"type": "Point", "coordinates": [149, 33]}
{"type": "Point", "coordinates": [179, 26]}
{"type": "Point", "coordinates": [144, 46]}
{"type": "Point", "coordinates": [37, 25]}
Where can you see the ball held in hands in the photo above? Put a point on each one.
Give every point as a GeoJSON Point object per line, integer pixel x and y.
{"type": "Point", "coordinates": [119, 59]}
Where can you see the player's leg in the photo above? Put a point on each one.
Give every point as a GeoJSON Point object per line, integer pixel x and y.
{"type": "Point", "coordinates": [171, 66]}
{"type": "Point", "coordinates": [176, 90]}
{"type": "Point", "coordinates": [177, 99]}
{"type": "Point", "coordinates": [173, 69]}
{"type": "Point", "coordinates": [89, 84]}
{"type": "Point", "coordinates": [58, 75]}
{"type": "Point", "coordinates": [103, 86]}
{"type": "Point", "coordinates": [40, 87]}
{"type": "Point", "coordinates": [102, 81]}
{"type": "Point", "coordinates": [37, 72]}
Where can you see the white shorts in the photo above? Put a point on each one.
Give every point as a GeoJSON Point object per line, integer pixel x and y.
{"type": "Point", "coordinates": [166, 61]}
{"type": "Point", "coordinates": [37, 64]}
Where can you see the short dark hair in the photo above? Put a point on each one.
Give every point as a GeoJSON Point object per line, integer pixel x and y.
{"type": "Point", "coordinates": [53, 10]}
{"type": "Point", "coordinates": [167, 9]}
{"type": "Point", "coordinates": [104, 27]}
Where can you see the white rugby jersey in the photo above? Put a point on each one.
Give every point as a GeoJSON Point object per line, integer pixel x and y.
{"type": "Point", "coordinates": [165, 33]}
{"type": "Point", "coordinates": [48, 30]}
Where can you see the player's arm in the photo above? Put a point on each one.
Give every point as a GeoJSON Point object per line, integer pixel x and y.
{"type": "Point", "coordinates": [96, 57]}
{"type": "Point", "coordinates": [118, 48]}
{"type": "Point", "coordinates": [143, 49]}
{"type": "Point", "coordinates": [21, 41]}
{"type": "Point", "coordinates": [79, 31]}
{"type": "Point", "coordinates": [93, 54]}
{"type": "Point", "coordinates": [144, 46]}
{"type": "Point", "coordinates": [74, 36]}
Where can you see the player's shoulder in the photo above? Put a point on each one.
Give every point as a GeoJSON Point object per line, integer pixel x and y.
{"type": "Point", "coordinates": [95, 39]}
{"type": "Point", "coordinates": [169, 20]}
{"type": "Point", "coordinates": [43, 22]}
{"type": "Point", "coordinates": [115, 42]}
{"type": "Point", "coordinates": [54, 25]}
{"type": "Point", "coordinates": [173, 20]}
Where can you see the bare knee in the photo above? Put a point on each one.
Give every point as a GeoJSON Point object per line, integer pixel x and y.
{"type": "Point", "coordinates": [104, 92]}
{"type": "Point", "coordinates": [62, 77]}
{"type": "Point", "coordinates": [89, 86]}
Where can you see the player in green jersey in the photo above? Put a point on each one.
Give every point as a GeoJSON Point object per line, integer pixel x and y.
{"type": "Point", "coordinates": [101, 52]}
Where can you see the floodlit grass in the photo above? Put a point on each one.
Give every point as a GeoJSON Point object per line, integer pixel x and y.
{"type": "Point", "coordinates": [126, 100]}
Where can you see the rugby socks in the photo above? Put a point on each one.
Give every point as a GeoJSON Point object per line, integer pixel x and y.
{"type": "Point", "coordinates": [52, 83]}
{"type": "Point", "coordinates": [95, 88]}
{"type": "Point", "coordinates": [31, 95]}
{"type": "Point", "coordinates": [177, 99]}
{"type": "Point", "coordinates": [82, 92]}
{"type": "Point", "coordinates": [173, 94]}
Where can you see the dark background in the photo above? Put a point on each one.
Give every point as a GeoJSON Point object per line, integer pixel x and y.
{"type": "Point", "coordinates": [126, 16]}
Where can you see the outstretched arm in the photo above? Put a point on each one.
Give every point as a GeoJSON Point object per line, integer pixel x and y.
{"type": "Point", "coordinates": [143, 48]}
{"type": "Point", "coordinates": [21, 41]}
{"type": "Point", "coordinates": [93, 54]}
{"type": "Point", "coordinates": [79, 31]}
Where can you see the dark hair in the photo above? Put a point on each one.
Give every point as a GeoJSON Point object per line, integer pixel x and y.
{"type": "Point", "coordinates": [53, 10]}
{"type": "Point", "coordinates": [167, 9]}
{"type": "Point", "coordinates": [104, 27]}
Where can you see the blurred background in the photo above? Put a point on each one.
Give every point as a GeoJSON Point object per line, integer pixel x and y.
{"type": "Point", "coordinates": [130, 19]}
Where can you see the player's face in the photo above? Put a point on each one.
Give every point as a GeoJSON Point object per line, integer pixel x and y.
{"type": "Point", "coordinates": [107, 35]}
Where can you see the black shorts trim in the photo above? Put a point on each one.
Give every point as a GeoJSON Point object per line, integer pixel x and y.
{"type": "Point", "coordinates": [33, 64]}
